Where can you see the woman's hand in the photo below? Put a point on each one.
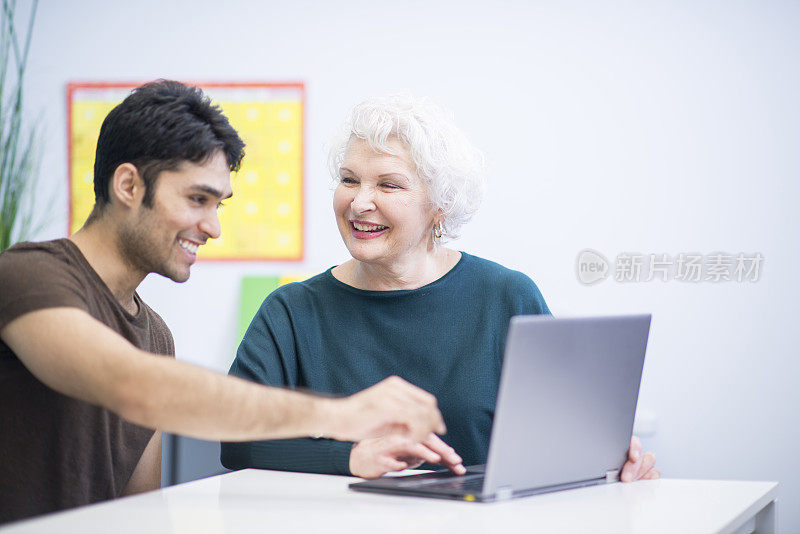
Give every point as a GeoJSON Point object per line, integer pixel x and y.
{"type": "Point", "coordinates": [372, 458]}
{"type": "Point", "coordinates": [639, 466]}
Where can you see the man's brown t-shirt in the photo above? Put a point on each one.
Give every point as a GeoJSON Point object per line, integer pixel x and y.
{"type": "Point", "coordinates": [57, 452]}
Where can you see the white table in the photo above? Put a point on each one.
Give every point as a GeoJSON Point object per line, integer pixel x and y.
{"type": "Point", "coordinates": [278, 502]}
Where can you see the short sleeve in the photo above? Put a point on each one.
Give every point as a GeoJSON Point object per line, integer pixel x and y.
{"type": "Point", "coordinates": [31, 280]}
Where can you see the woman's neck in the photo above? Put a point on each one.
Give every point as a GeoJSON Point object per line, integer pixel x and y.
{"type": "Point", "coordinates": [413, 273]}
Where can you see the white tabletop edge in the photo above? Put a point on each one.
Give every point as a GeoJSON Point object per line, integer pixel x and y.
{"type": "Point", "coordinates": [753, 509]}
{"type": "Point", "coordinates": [760, 494]}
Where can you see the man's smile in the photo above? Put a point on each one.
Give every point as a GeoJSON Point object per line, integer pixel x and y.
{"type": "Point", "coordinates": [189, 246]}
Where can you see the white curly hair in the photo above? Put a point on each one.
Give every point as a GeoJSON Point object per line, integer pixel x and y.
{"type": "Point", "coordinates": [453, 171]}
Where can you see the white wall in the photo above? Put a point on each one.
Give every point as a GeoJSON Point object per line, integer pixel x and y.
{"type": "Point", "coordinates": [624, 126]}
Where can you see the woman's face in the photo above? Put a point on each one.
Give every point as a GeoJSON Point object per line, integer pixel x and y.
{"type": "Point", "coordinates": [381, 205]}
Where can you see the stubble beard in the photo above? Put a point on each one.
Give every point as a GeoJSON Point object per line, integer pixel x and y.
{"type": "Point", "coordinates": [139, 250]}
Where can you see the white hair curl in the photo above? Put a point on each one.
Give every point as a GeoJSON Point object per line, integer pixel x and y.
{"type": "Point", "coordinates": [452, 169]}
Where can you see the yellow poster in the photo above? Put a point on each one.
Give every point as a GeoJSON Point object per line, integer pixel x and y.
{"type": "Point", "coordinates": [264, 219]}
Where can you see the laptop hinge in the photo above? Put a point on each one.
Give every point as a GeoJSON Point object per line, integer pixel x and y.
{"type": "Point", "coordinates": [612, 476]}
{"type": "Point", "coordinates": [504, 492]}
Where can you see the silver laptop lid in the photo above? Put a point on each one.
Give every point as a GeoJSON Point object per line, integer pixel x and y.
{"type": "Point", "coordinates": [567, 399]}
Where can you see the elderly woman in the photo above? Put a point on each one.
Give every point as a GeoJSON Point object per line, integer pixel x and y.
{"type": "Point", "coordinates": [404, 304]}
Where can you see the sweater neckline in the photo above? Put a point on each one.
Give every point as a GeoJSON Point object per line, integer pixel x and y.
{"type": "Point", "coordinates": [396, 292]}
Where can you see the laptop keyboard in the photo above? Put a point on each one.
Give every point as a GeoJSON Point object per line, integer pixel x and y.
{"type": "Point", "coordinates": [473, 485]}
{"type": "Point", "coordinates": [466, 483]}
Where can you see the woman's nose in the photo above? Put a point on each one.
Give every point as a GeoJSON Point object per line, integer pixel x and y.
{"type": "Point", "coordinates": [363, 200]}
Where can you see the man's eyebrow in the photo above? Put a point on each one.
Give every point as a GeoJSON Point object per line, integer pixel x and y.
{"type": "Point", "coordinates": [216, 193]}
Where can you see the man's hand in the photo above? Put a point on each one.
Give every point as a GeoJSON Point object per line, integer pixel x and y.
{"type": "Point", "coordinates": [639, 466]}
{"type": "Point", "coordinates": [390, 406]}
{"type": "Point", "coordinates": [372, 458]}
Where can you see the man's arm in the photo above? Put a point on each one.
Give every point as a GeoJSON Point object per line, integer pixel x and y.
{"type": "Point", "coordinates": [147, 474]}
{"type": "Point", "coordinates": [74, 354]}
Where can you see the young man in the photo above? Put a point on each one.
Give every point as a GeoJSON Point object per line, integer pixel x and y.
{"type": "Point", "coordinates": [87, 368]}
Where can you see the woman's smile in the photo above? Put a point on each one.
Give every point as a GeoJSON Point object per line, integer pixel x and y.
{"type": "Point", "coordinates": [366, 230]}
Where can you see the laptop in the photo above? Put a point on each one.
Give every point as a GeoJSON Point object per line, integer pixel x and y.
{"type": "Point", "coordinates": [564, 413]}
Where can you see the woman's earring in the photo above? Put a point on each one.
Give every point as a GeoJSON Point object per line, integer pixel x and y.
{"type": "Point", "coordinates": [437, 230]}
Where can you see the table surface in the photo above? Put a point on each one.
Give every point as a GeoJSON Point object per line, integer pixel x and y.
{"type": "Point", "coordinates": [273, 501]}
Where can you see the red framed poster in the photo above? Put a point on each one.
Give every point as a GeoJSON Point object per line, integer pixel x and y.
{"type": "Point", "coordinates": [264, 219]}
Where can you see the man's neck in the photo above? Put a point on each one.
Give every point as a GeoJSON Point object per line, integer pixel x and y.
{"type": "Point", "coordinates": [98, 244]}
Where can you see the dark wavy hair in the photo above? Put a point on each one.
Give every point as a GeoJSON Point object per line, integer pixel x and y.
{"type": "Point", "coordinates": [157, 127]}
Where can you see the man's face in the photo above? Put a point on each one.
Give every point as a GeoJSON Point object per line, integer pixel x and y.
{"type": "Point", "coordinates": [164, 238]}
